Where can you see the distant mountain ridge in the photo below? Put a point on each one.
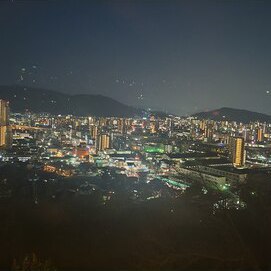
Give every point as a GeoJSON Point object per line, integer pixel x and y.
{"type": "Point", "coordinates": [39, 100]}
{"type": "Point", "coordinates": [232, 114]}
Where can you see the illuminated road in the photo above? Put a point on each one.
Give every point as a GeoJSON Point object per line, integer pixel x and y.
{"type": "Point", "coordinates": [173, 183]}
{"type": "Point", "coordinates": [25, 127]}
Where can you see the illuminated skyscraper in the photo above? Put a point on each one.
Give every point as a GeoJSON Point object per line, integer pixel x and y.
{"type": "Point", "coordinates": [264, 128]}
{"type": "Point", "coordinates": [3, 136]}
{"type": "Point", "coordinates": [93, 131]}
{"type": "Point", "coordinates": [122, 126]}
{"type": "Point", "coordinates": [260, 135]}
{"type": "Point", "coordinates": [4, 113]}
{"type": "Point", "coordinates": [202, 125]}
{"type": "Point", "coordinates": [245, 134]}
{"type": "Point", "coordinates": [237, 151]}
{"type": "Point", "coordinates": [103, 142]}
{"type": "Point", "coordinates": [5, 130]}
{"type": "Point", "coordinates": [208, 132]}
{"type": "Point", "coordinates": [102, 122]}
{"type": "Point", "coordinates": [153, 128]}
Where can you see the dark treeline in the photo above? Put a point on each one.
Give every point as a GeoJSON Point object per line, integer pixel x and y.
{"type": "Point", "coordinates": [79, 232]}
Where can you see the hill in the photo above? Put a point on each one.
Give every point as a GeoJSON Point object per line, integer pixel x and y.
{"type": "Point", "coordinates": [232, 114]}
{"type": "Point", "coordinates": [42, 100]}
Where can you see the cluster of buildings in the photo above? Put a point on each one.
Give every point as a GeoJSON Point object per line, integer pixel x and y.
{"type": "Point", "coordinates": [175, 149]}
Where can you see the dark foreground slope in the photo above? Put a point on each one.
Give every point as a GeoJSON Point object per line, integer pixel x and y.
{"type": "Point", "coordinates": [79, 232]}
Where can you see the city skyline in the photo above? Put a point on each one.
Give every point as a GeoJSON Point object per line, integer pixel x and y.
{"type": "Point", "coordinates": [177, 56]}
{"type": "Point", "coordinates": [135, 134]}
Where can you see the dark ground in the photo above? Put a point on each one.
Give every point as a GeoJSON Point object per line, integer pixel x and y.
{"type": "Point", "coordinates": [80, 232]}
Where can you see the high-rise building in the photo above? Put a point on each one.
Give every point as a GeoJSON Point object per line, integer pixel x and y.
{"type": "Point", "coordinates": [3, 136]}
{"type": "Point", "coordinates": [153, 128]}
{"type": "Point", "coordinates": [264, 128]}
{"type": "Point", "coordinates": [4, 113]}
{"type": "Point", "coordinates": [202, 125]}
{"type": "Point", "coordinates": [208, 132]}
{"type": "Point", "coordinates": [245, 134]}
{"type": "Point", "coordinates": [103, 142]}
{"type": "Point", "coordinates": [121, 126]}
{"type": "Point", "coordinates": [93, 131]}
{"type": "Point", "coordinates": [102, 122]}
{"type": "Point", "coordinates": [259, 134]}
{"type": "Point", "coordinates": [237, 151]}
{"type": "Point", "coordinates": [5, 129]}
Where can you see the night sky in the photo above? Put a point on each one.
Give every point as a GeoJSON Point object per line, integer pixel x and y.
{"type": "Point", "coordinates": [177, 56]}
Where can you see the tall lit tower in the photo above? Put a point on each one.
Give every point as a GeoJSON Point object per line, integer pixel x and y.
{"type": "Point", "coordinates": [3, 136]}
{"type": "Point", "coordinates": [93, 131]}
{"type": "Point", "coordinates": [202, 125]}
{"type": "Point", "coordinates": [103, 142]}
{"type": "Point", "coordinates": [121, 126]}
{"type": "Point", "coordinates": [5, 130]}
{"type": "Point", "coordinates": [4, 113]}
{"type": "Point", "coordinates": [208, 132]}
{"type": "Point", "coordinates": [259, 134]}
{"type": "Point", "coordinates": [237, 151]}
